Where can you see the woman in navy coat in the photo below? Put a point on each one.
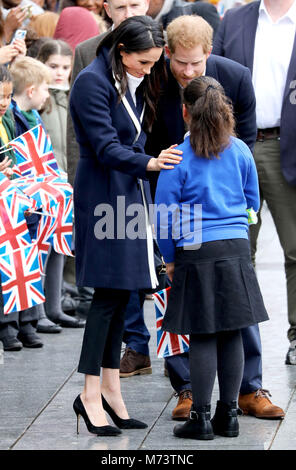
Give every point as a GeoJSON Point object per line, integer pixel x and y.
{"type": "Point", "coordinates": [114, 253]}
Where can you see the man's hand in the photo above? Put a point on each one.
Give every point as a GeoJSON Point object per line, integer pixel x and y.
{"type": "Point", "coordinates": [170, 268]}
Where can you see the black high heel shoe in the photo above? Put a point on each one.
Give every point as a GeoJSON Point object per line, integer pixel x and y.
{"type": "Point", "coordinates": [122, 423]}
{"type": "Point", "coordinates": [99, 430]}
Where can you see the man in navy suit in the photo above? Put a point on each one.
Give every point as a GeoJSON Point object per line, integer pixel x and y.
{"type": "Point", "coordinates": [262, 37]}
{"type": "Point", "coordinates": [189, 51]}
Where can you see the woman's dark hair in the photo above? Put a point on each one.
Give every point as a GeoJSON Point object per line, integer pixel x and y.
{"type": "Point", "coordinates": [5, 74]}
{"type": "Point", "coordinates": [211, 116]}
{"type": "Point", "coordinates": [52, 47]}
{"type": "Point", "coordinates": [138, 34]}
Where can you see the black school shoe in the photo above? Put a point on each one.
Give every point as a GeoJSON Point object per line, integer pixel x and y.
{"type": "Point", "coordinates": [67, 321]}
{"type": "Point", "coordinates": [225, 422]}
{"type": "Point", "coordinates": [11, 343]}
{"type": "Point", "coordinates": [30, 340]}
{"type": "Point", "coordinates": [198, 426]}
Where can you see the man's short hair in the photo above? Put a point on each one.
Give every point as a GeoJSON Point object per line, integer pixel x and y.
{"type": "Point", "coordinates": [189, 31]}
{"type": "Point", "coordinates": [26, 72]}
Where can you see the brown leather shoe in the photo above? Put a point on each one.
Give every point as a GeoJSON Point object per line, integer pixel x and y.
{"type": "Point", "coordinates": [134, 363]}
{"type": "Point", "coordinates": [182, 410]}
{"type": "Point", "coordinates": [259, 405]}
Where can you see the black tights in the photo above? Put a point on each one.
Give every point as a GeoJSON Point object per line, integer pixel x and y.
{"type": "Point", "coordinates": [219, 352]}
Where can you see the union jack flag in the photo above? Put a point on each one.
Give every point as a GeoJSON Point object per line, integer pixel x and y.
{"type": "Point", "coordinates": [168, 344]}
{"type": "Point", "coordinates": [13, 226]}
{"type": "Point", "coordinates": [62, 237]}
{"type": "Point", "coordinates": [46, 228]}
{"type": "Point", "coordinates": [5, 185]}
{"type": "Point", "coordinates": [21, 279]}
{"type": "Point", "coordinates": [46, 190]}
{"type": "Point", "coordinates": [34, 154]}
{"type": "Point", "coordinates": [54, 195]}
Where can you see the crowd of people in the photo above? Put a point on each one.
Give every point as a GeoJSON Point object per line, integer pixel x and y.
{"type": "Point", "coordinates": [162, 101]}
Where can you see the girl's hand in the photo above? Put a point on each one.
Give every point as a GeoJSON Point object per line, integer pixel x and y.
{"type": "Point", "coordinates": [170, 268]}
{"type": "Point", "coordinates": [8, 172]}
{"type": "Point", "coordinates": [170, 155]}
{"type": "Point", "coordinates": [5, 164]}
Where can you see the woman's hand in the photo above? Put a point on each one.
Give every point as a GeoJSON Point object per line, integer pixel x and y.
{"type": "Point", "coordinates": [5, 164]}
{"type": "Point", "coordinates": [13, 21]}
{"type": "Point", "coordinates": [170, 268]}
{"type": "Point", "coordinates": [8, 53]}
{"type": "Point", "coordinates": [20, 46]}
{"type": "Point", "coordinates": [170, 155]}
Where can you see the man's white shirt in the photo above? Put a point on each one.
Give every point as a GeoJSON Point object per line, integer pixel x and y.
{"type": "Point", "coordinates": [272, 56]}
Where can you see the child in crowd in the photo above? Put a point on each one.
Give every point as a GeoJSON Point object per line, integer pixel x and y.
{"type": "Point", "coordinates": [31, 80]}
{"type": "Point", "coordinates": [30, 91]}
{"type": "Point", "coordinates": [214, 291]}
{"type": "Point", "coordinates": [7, 131]}
{"type": "Point", "coordinates": [17, 328]}
{"type": "Point", "coordinates": [57, 56]}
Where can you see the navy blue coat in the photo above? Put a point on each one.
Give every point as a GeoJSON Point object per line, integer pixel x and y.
{"type": "Point", "coordinates": [169, 127]}
{"type": "Point", "coordinates": [235, 39]}
{"type": "Point", "coordinates": [110, 165]}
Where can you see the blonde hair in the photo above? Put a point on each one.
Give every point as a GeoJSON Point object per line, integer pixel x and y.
{"type": "Point", "coordinates": [26, 72]}
{"type": "Point", "coordinates": [189, 31]}
{"type": "Point", "coordinates": [45, 24]}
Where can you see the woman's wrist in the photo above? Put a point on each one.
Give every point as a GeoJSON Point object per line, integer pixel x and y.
{"type": "Point", "coordinates": [8, 33]}
{"type": "Point", "coordinates": [152, 165]}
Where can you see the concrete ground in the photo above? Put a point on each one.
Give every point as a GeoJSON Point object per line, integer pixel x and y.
{"type": "Point", "coordinates": [37, 387]}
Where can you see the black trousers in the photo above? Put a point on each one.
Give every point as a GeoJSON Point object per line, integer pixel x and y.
{"type": "Point", "coordinates": [104, 329]}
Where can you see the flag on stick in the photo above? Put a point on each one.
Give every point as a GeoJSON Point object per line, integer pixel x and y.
{"type": "Point", "coordinates": [168, 344]}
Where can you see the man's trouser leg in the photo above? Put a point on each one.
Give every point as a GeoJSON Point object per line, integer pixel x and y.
{"type": "Point", "coordinates": [281, 201]}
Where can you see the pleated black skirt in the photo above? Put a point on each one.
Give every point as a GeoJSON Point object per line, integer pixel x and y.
{"type": "Point", "coordinates": [214, 289]}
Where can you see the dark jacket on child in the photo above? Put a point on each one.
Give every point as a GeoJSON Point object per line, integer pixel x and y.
{"type": "Point", "coordinates": [8, 123]}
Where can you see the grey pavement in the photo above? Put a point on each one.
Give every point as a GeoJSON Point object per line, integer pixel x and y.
{"type": "Point", "coordinates": [38, 387]}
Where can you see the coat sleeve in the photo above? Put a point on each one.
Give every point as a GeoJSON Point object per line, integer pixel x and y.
{"type": "Point", "coordinates": [251, 186]}
{"type": "Point", "coordinates": [167, 210]}
{"type": "Point", "coordinates": [92, 118]}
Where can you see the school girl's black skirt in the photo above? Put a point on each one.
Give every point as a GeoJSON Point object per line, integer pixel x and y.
{"type": "Point", "coordinates": [214, 289]}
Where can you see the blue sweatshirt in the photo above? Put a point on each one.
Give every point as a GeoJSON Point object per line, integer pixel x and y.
{"type": "Point", "coordinates": [224, 187]}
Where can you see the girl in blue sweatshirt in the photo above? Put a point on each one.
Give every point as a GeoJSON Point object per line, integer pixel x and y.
{"type": "Point", "coordinates": [202, 231]}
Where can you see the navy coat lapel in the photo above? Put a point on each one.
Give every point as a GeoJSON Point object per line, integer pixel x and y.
{"type": "Point", "coordinates": [211, 69]}
{"type": "Point", "coordinates": [136, 109]}
{"type": "Point", "coordinates": [291, 71]}
{"type": "Point", "coordinates": [249, 34]}
{"type": "Point", "coordinates": [173, 108]}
